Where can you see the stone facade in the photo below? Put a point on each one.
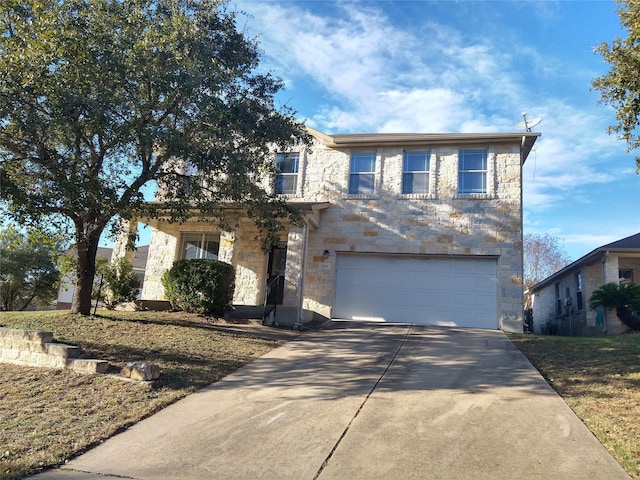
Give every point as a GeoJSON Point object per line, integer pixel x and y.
{"type": "Point", "coordinates": [440, 223]}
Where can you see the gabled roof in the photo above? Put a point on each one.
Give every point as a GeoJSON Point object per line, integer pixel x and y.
{"type": "Point", "coordinates": [632, 242]}
{"type": "Point", "coordinates": [626, 245]}
{"type": "Point", "coordinates": [526, 140]}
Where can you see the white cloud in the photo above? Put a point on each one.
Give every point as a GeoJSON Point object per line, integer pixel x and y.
{"type": "Point", "coordinates": [370, 74]}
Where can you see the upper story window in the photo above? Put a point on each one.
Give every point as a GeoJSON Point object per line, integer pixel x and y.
{"type": "Point", "coordinates": [415, 172]}
{"type": "Point", "coordinates": [287, 165]}
{"type": "Point", "coordinates": [200, 245]}
{"type": "Point", "coordinates": [472, 171]}
{"type": "Point", "coordinates": [362, 173]}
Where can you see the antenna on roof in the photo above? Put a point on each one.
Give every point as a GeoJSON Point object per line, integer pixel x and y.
{"type": "Point", "coordinates": [527, 124]}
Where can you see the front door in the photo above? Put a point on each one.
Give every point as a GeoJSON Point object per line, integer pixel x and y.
{"type": "Point", "coordinates": [275, 275]}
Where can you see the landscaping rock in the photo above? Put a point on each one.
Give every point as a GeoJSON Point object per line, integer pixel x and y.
{"type": "Point", "coordinates": [144, 371]}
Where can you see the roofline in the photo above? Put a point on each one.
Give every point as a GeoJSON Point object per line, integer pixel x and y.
{"type": "Point", "coordinates": [584, 260]}
{"type": "Point", "coordinates": [526, 140]}
{"type": "Point", "coordinates": [587, 259]}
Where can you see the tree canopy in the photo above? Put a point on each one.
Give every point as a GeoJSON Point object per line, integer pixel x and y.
{"type": "Point", "coordinates": [100, 99]}
{"type": "Point", "coordinates": [28, 268]}
{"type": "Point", "coordinates": [620, 87]}
{"type": "Point", "coordinates": [543, 256]}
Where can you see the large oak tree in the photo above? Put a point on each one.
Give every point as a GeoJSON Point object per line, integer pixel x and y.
{"type": "Point", "coordinates": [100, 99]}
{"type": "Point", "coordinates": [620, 87]}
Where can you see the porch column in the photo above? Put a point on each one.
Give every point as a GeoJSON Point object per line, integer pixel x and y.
{"type": "Point", "coordinates": [122, 246]}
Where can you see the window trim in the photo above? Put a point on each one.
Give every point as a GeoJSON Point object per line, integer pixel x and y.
{"type": "Point", "coordinates": [377, 166]}
{"type": "Point", "coordinates": [490, 183]}
{"type": "Point", "coordinates": [483, 172]}
{"type": "Point", "coordinates": [295, 174]}
{"type": "Point", "coordinates": [429, 174]}
{"type": "Point", "coordinates": [184, 238]}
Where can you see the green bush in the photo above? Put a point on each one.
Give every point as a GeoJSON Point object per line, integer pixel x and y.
{"type": "Point", "coordinates": [123, 284]}
{"type": "Point", "coordinates": [200, 286]}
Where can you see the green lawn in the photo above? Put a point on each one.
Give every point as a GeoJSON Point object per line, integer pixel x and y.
{"type": "Point", "coordinates": [599, 378]}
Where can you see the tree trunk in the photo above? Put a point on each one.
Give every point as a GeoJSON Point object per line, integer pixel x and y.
{"type": "Point", "coordinates": [86, 271]}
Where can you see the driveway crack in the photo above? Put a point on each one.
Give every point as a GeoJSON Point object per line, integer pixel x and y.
{"type": "Point", "coordinates": [366, 398]}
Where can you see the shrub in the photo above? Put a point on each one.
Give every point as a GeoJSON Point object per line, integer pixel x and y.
{"type": "Point", "coordinates": [200, 286]}
{"type": "Point", "coordinates": [123, 284]}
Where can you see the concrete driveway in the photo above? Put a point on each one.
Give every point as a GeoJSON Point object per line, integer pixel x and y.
{"type": "Point", "coordinates": [364, 402]}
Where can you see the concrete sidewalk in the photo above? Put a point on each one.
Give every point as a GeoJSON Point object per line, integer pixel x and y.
{"type": "Point", "coordinates": [368, 402]}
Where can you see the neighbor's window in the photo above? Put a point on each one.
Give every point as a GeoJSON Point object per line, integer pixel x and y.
{"type": "Point", "coordinates": [415, 172]}
{"type": "Point", "coordinates": [558, 300]}
{"type": "Point", "coordinates": [200, 245]}
{"type": "Point", "coordinates": [472, 171]}
{"type": "Point", "coordinates": [362, 173]}
{"type": "Point", "coordinates": [287, 165]}
{"type": "Point", "coordinates": [579, 291]}
{"type": "Point", "coordinates": [625, 275]}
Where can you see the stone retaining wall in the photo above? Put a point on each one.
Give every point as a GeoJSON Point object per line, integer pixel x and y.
{"type": "Point", "coordinates": [36, 349]}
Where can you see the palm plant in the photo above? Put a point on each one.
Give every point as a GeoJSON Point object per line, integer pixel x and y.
{"type": "Point", "coordinates": [625, 298]}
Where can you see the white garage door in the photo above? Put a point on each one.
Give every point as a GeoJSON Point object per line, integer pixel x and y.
{"type": "Point", "coordinates": [423, 290]}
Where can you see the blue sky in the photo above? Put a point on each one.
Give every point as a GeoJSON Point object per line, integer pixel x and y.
{"type": "Point", "coordinates": [467, 66]}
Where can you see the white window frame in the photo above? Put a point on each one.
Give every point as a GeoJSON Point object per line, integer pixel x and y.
{"type": "Point", "coordinates": [428, 173]}
{"type": "Point", "coordinates": [484, 172]}
{"type": "Point", "coordinates": [203, 238]}
{"type": "Point", "coordinates": [295, 175]}
{"type": "Point", "coordinates": [372, 173]}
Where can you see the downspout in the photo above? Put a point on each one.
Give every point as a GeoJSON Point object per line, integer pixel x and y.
{"type": "Point", "coordinates": [604, 281]}
{"type": "Point", "coordinates": [303, 267]}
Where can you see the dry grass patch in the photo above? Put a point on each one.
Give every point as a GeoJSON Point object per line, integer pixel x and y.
{"type": "Point", "coordinates": [599, 378]}
{"type": "Point", "coordinates": [47, 416]}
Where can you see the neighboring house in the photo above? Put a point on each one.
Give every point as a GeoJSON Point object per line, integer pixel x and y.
{"type": "Point", "coordinates": [419, 228]}
{"type": "Point", "coordinates": [138, 259]}
{"type": "Point", "coordinates": [561, 301]}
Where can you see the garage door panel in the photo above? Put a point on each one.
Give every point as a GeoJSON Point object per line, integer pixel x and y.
{"type": "Point", "coordinates": [427, 290]}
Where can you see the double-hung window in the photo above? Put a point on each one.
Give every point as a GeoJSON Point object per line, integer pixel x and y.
{"type": "Point", "coordinates": [287, 165]}
{"type": "Point", "coordinates": [200, 245]}
{"type": "Point", "coordinates": [472, 171]}
{"type": "Point", "coordinates": [362, 173]}
{"type": "Point", "coordinates": [415, 172]}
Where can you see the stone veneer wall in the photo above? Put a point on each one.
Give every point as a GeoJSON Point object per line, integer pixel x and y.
{"type": "Point", "coordinates": [440, 223]}
{"type": "Point", "coordinates": [240, 248]}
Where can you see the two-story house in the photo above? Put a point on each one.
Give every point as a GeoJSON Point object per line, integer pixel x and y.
{"type": "Point", "coordinates": [416, 228]}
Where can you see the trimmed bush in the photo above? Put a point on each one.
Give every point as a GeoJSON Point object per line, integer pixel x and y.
{"type": "Point", "coordinates": [200, 286]}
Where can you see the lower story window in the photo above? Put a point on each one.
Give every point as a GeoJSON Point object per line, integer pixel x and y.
{"type": "Point", "coordinates": [200, 245]}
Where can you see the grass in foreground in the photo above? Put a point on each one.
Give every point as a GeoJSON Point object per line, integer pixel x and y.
{"type": "Point", "coordinates": [47, 416]}
{"type": "Point", "coordinates": [599, 378]}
